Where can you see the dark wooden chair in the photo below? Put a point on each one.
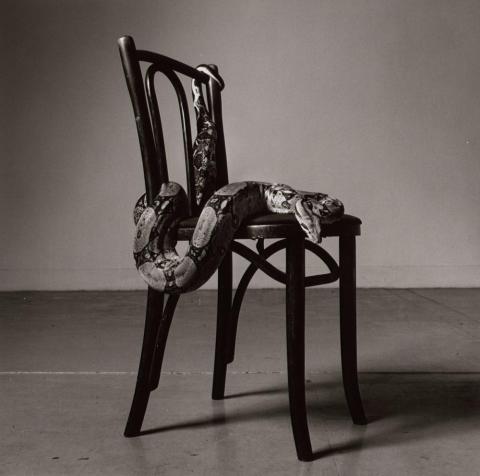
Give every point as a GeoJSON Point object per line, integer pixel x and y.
{"type": "Point", "coordinates": [282, 227]}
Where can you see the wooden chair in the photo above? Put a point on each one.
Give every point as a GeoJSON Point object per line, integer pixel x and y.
{"type": "Point", "coordinates": [283, 227]}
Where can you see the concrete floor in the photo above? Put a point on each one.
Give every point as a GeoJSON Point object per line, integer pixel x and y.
{"type": "Point", "coordinates": [67, 372]}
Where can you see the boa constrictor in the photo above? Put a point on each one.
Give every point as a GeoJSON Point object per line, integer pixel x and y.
{"type": "Point", "coordinates": [155, 239]}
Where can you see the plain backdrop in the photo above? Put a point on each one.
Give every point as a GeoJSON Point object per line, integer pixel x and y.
{"type": "Point", "coordinates": [376, 102]}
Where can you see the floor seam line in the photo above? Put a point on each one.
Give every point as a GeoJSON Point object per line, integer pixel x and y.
{"type": "Point", "coordinates": [209, 373]}
{"type": "Point", "coordinates": [446, 306]}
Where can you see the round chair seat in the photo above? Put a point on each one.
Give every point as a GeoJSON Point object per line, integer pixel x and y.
{"type": "Point", "coordinates": [276, 225]}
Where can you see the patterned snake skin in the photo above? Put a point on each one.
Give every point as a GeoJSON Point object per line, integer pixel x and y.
{"type": "Point", "coordinates": [154, 245]}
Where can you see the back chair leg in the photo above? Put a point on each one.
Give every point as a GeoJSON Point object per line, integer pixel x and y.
{"type": "Point", "coordinates": [295, 310]}
{"type": "Point", "coordinates": [348, 329]}
{"type": "Point", "coordinates": [157, 325]}
{"type": "Point", "coordinates": [224, 305]}
{"type": "Point", "coordinates": [161, 340]}
{"type": "Point", "coordinates": [235, 310]}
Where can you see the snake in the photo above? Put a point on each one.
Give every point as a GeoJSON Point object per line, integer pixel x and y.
{"type": "Point", "coordinates": [223, 211]}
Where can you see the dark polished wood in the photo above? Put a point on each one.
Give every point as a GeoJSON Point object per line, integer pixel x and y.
{"type": "Point", "coordinates": [348, 328]}
{"type": "Point", "coordinates": [283, 227]}
{"type": "Point", "coordinates": [295, 312]}
{"type": "Point", "coordinates": [264, 253]}
{"type": "Point", "coordinates": [224, 300]}
{"type": "Point", "coordinates": [161, 341]}
{"type": "Point", "coordinates": [157, 325]}
{"type": "Point", "coordinates": [133, 75]}
{"type": "Point", "coordinates": [153, 316]}
{"type": "Point", "coordinates": [275, 225]}
{"type": "Point", "coordinates": [148, 121]}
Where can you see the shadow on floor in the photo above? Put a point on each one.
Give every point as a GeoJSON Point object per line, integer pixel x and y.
{"type": "Point", "coordinates": [399, 407]}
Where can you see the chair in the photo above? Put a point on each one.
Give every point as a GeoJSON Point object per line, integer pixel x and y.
{"type": "Point", "coordinates": [160, 307]}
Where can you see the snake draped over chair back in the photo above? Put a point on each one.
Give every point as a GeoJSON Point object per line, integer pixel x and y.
{"type": "Point", "coordinates": [222, 212]}
{"type": "Point", "coordinates": [220, 206]}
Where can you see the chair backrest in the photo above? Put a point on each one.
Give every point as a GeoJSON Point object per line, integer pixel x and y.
{"type": "Point", "coordinates": [147, 116]}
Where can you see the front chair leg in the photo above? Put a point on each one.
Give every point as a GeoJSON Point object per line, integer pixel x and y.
{"type": "Point", "coordinates": [142, 387]}
{"type": "Point", "coordinates": [157, 325]}
{"type": "Point", "coordinates": [295, 307]}
{"type": "Point", "coordinates": [224, 305]}
{"type": "Point", "coordinates": [348, 329]}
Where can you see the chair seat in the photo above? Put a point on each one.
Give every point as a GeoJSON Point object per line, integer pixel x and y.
{"type": "Point", "coordinates": [276, 225]}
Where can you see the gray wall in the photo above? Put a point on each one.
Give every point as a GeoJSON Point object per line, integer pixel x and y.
{"type": "Point", "coordinates": [374, 101]}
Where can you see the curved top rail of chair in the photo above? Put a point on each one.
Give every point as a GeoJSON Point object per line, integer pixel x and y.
{"type": "Point", "coordinates": [165, 61]}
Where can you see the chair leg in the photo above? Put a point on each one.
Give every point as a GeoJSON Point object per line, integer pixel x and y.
{"type": "Point", "coordinates": [348, 329]}
{"type": "Point", "coordinates": [157, 324]}
{"type": "Point", "coordinates": [235, 310]}
{"type": "Point", "coordinates": [224, 304]}
{"type": "Point", "coordinates": [295, 310]}
{"type": "Point", "coordinates": [161, 340]}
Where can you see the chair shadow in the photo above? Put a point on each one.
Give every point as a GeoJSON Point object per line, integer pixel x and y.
{"type": "Point", "coordinates": [410, 407]}
{"type": "Point", "coordinates": [201, 423]}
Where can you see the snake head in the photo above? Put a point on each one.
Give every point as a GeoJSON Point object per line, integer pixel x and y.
{"type": "Point", "coordinates": [306, 217]}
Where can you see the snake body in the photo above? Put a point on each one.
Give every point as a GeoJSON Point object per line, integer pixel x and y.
{"type": "Point", "coordinates": [223, 212]}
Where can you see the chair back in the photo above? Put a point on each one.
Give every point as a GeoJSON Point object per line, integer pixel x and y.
{"type": "Point", "coordinates": [147, 116]}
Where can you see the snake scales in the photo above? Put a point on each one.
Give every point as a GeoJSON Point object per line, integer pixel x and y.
{"type": "Point", "coordinates": [223, 211]}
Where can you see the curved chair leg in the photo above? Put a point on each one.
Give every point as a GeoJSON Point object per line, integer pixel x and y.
{"type": "Point", "coordinates": [348, 329]}
{"type": "Point", "coordinates": [224, 303]}
{"type": "Point", "coordinates": [235, 311]}
{"type": "Point", "coordinates": [157, 324]}
{"type": "Point", "coordinates": [240, 294]}
{"type": "Point", "coordinates": [161, 340]}
{"type": "Point", "coordinates": [295, 310]}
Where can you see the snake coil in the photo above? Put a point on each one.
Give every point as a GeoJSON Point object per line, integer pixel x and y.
{"type": "Point", "coordinates": [223, 212]}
